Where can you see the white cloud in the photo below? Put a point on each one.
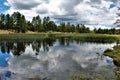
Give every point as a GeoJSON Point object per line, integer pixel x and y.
{"type": "Point", "coordinates": [96, 14]}
{"type": "Point", "coordinates": [82, 11]}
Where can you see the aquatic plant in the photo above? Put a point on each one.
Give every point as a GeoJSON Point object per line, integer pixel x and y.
{"type": "Point", "coordinates": [87, 76]}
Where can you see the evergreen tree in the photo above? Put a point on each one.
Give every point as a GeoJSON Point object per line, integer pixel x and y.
{"type": "Point", "coordinates": [61, 27]}
{"type": "Point", "coordinates": [28, 25]}
{"type": "Point", "coordinates": [52, 26]}
{"type": "Point", "coordinates": [67, 27]}
{"type": "Point", "coordinates": [19, 22]}
{"type": "Point", "coordinates": [23, 24]}
{"type": "Point", "coordinates": [34, 24]}
{"type": "Point", "coordinates": [39, 26]}
{"type": "Point", "coordinates": [2, 21]}
{"type": "Point", "coordinates": [7, 22]}
{"type": "Point", "coordinates": [46, 23]}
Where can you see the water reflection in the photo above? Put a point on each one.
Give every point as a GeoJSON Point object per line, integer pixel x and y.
{"type": "Point", "coordinates": [53, 59]}
{"type": "Point", "coordinates": [3, 59]}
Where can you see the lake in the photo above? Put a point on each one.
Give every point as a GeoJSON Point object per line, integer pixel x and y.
{"type": "Point", "coordinates": [53, 59]}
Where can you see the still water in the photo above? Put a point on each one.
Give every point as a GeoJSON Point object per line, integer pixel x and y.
{"type": "Point", "coordinates": [53, 59]}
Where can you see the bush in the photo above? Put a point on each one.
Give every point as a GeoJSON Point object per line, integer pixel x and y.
{"type": "Point", "coordinates": [108, 50]}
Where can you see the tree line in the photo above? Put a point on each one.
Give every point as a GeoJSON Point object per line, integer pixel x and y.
{"type": "Point", "coordinates": [18, 23]}
{"type": "Point", "coordinates": [107, 31]}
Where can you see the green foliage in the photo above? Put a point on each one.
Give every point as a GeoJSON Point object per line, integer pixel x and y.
{"type": "Point", "coordinates": [108, 50]}
{"type": "Point", "coordinates": [82, 29]}
{"type": "Point", "coordinates": [18, 22]}
{"type": "Point", "coordinates": [87, 76]}
{"type": "Point", "coordinates": [115, 54]}
{"type": "Point", "coordinates": [2, 21]}
{"type": "Point", "coordinates": [80, 37]}
{"type": "Point", "coordinates": [36, 24]}
{"type": "Point", "coordinates": [117, 72]}
{"type": "Point", "coordinates": [52, 26]}
{"type": "Point", "coordinates": [7, 21]}
{"type": "Point", "coordinates": [107, 31]}
{"type": "Point", "coordinates": [46, 23]}
{"type": "Point", "coordinates": [117, 76]}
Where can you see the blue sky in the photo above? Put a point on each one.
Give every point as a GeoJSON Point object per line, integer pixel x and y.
{"type": "Point", "coordinates": [112, 6]}
{"type": "Point", "coordinates": [3, 59]}
{"type": "Point", "coordinates": [2, 6]}
{"type": "Point", "coordinates": [89, 12]}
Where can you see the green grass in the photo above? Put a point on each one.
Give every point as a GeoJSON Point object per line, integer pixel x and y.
{"type": "Point", "coordinates": [22, 36]}
{"type": "Point", "coordinates": [88, 37]}
{"type": "Point", "coordinates": [115, 54]}
{"type": "Point", "coordinates": [88, 76]}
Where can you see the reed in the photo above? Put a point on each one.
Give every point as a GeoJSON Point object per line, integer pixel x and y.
{"type": "Point", "coordinates": [82, 37]}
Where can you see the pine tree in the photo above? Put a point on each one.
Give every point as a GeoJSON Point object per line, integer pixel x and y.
{"type": "Point", "coordinates": [2, 21]}
{"type": "Point", "coordinates": [46, 23]}
{"type": "Point", "coordinates": [7, 22]}
{"type": "Point", "coordinates": [23, 24]}
{"type": "Point", "coordinates": [52, 26]}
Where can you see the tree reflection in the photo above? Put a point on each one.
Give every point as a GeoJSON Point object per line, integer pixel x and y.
{"type": "Point", "coordinates": [18, 47]}
{"type": "Point", "coordinates": [3, 47]}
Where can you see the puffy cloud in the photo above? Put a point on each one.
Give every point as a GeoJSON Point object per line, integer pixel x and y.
{"type": "Point", "coordinates": [77, 11]}
{"type": "Point", "coordinates": [96, 13]}
{"type": "Point", "coordinates": [68, 6]}
{"type": "Point", "coordinates": [23, 4]}
{"type": "Point", "coordinates": [42, 9]}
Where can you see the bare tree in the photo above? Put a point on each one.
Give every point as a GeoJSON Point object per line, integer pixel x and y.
{"type": "Point", "coordinates": [117, 22]}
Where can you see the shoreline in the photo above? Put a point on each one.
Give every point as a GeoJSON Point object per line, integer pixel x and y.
{"type": "Point", "coordinates": [92, 37]}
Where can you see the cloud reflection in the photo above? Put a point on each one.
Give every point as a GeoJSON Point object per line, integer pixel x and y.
{"type": "Point", "coordinates": [60, 61]}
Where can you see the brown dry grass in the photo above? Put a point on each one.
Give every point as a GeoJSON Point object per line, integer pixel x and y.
{"type": "Point", "coordinates": [6, 32]}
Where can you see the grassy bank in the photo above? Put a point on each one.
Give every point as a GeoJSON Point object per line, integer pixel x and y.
{"type": "Point", "coordinates": [89, 37]}
{"type": "Point", "coordinates": [87, 76]}
{"type": "Point", "coordinates": [114, 53]}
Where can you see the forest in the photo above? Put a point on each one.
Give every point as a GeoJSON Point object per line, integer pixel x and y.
{"type": "Point", "coordinates": [18, 23]}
